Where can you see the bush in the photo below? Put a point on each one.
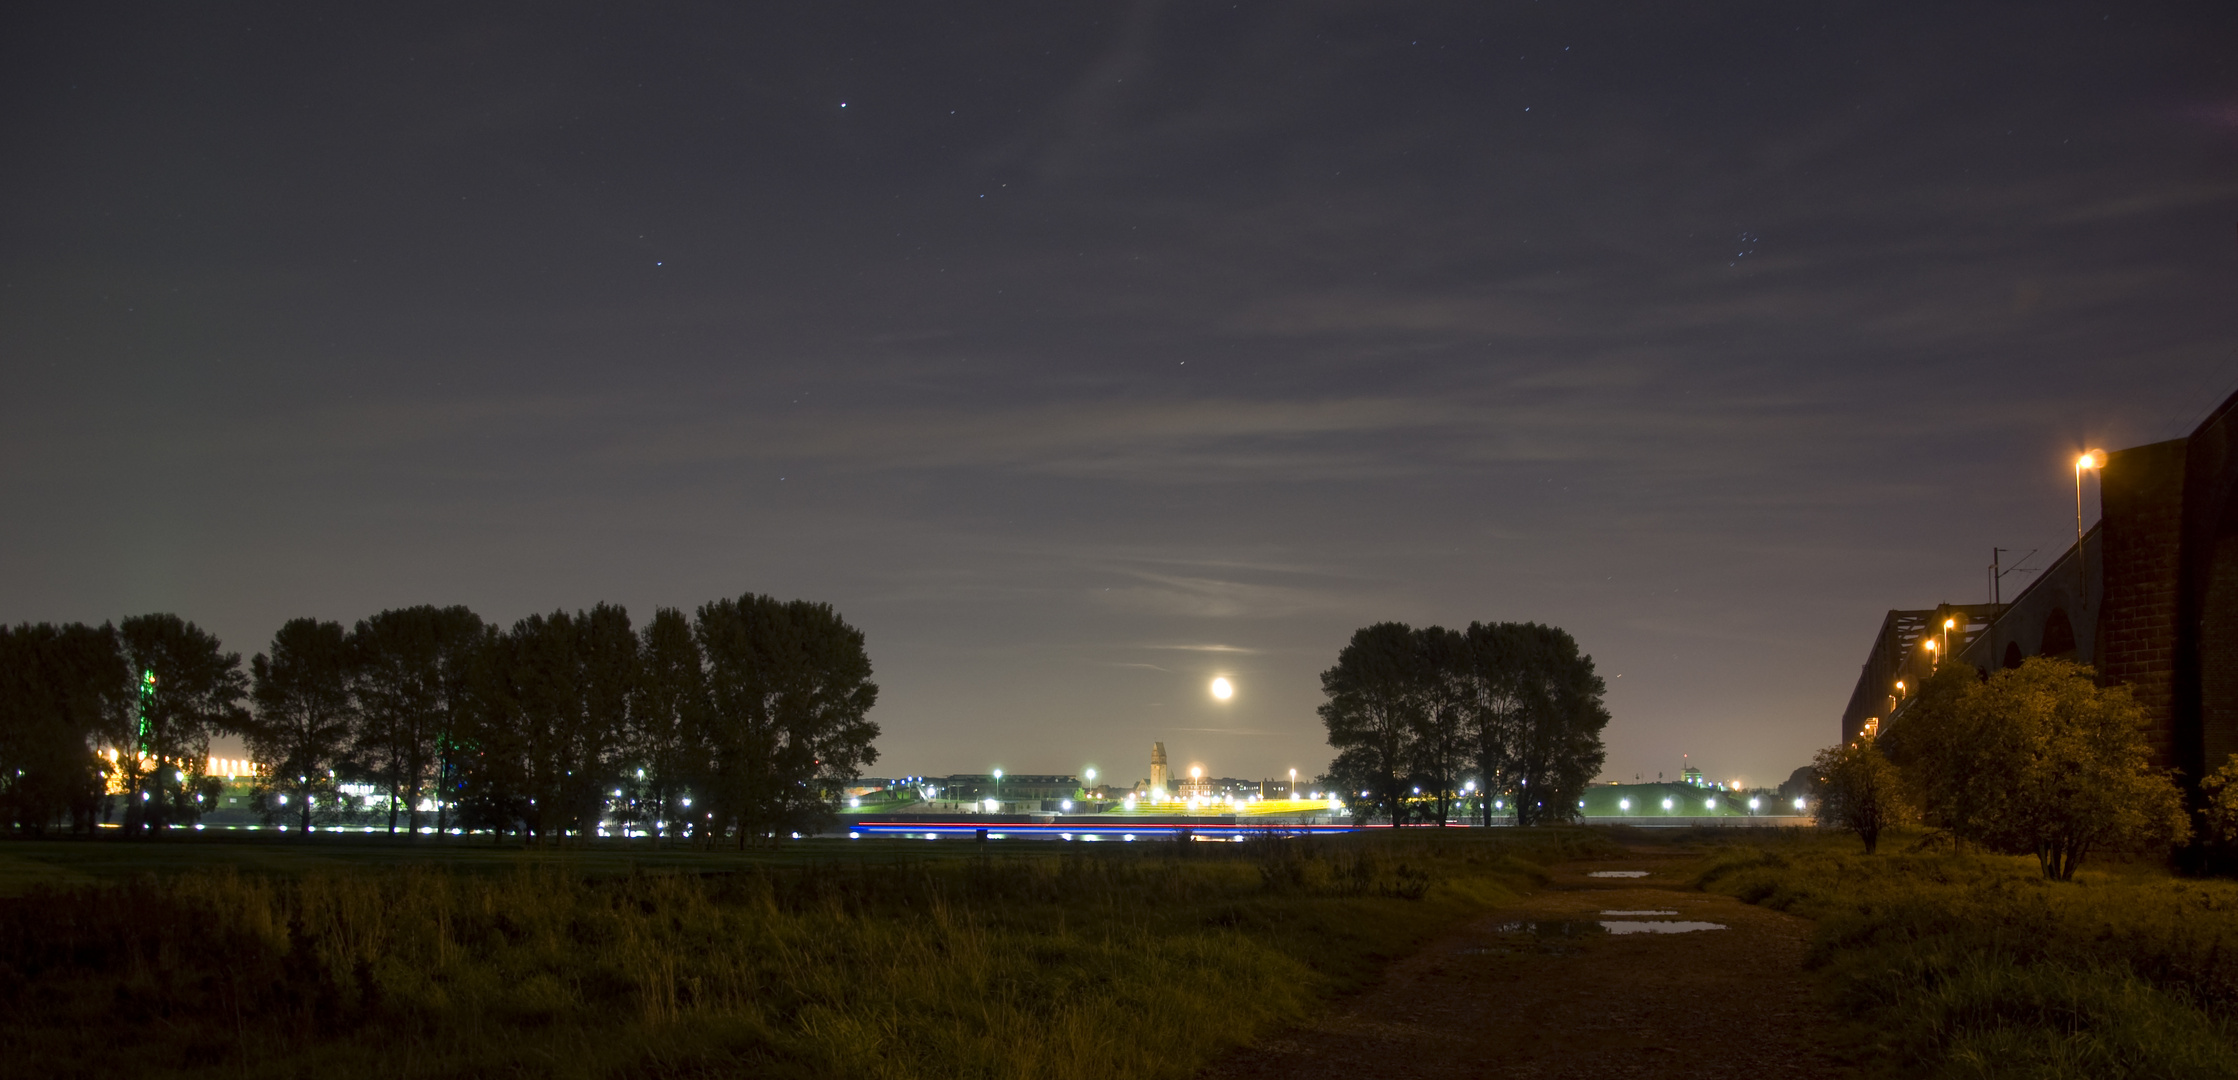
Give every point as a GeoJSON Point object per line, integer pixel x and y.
{"type": "Point", "coordinates": [1973, 965]}
{"type": "Point", "coordinates": [2038, 759]}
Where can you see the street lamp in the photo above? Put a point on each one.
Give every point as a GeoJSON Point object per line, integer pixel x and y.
{"type": "Point", "coordinates": [998, 787]}
{"type": "Point", "coordinates": [2095, 459]}
{"type": "Point", "coordinates": [1293, 785]}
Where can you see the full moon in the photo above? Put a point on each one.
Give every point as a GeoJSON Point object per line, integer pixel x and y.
{"type": "Point", "coordinates": [1223, 689]}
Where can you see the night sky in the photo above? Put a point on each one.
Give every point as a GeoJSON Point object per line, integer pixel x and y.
{"type": "Point", "coordinates": [1079, 353]}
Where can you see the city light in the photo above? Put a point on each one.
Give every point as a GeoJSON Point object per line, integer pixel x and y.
{"type": "Point", "coordinates": [1624, 804]}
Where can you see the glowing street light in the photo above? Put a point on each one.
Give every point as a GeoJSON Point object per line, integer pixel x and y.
{"type": "Point", "coordinates": [1293, 785]}
{"type": "Point", "coordinates": [2091, 461]}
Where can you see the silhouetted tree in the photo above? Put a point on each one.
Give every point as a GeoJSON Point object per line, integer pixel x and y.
{"type": "Point", "coordinates": [788, 692]}
{"type": "Point", "coordinates": [607, 663]}
{"type": "Point", "coordinates": [412, 669]}
{"type": "Point", "coordinates": [1493, 676]}
{"type": "Point", "coordinates": [668, 719]}
{"type": "Point", "coordinates": [1414, 708]}
{"type": "Point", "coordinates": [1859, 790]}
{"type": "Point", "coordinates": [545, 686]}
{"type": "Point", "coordinates": [305, 716]}
{"type": "Point", "coordinates": [459, 638]}
{"type": "Point", "coordinates": [490, 760]}
{"type": "Point", "coordinates": [60, 688]}
{"type": "Point", "coordinates": [1557, 748]}
{"type": "Point", "coordinates": [188, 690]}
{"type": "Point", "coordinates": [1441, 745]}
{"type": "Point", "coordinates": [1372, 714]}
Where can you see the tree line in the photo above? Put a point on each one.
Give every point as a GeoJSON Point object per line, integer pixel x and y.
{"type": "Point", "coordinates": [1432, 722]}
{"type": "Point", "coordinates": [2038, 760]}
{"type": "Point", "coordinates": [739, 721]}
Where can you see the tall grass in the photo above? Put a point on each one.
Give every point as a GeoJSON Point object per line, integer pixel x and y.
{"type": "Point", "coordinates": [1974, 966]}
{"type": "Point", "coordinates": [1116, 962]}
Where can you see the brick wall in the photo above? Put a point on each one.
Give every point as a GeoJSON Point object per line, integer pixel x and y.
{"type": "Point", "coordinates": [2143, 510]}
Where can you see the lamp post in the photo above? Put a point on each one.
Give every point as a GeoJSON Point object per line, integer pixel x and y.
{"type": "Point", "coordinates": [1293, 785]}
{"type": "Point", "coordinates": [2095, 459]}
{"type": "Point", "coordinates": [2089, 460]}
{"type": "Point", "coordinates": [998, 789]}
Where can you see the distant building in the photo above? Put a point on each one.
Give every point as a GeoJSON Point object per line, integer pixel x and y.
{"type": "Point", "coordinates": [1012, 787]}
{"type": "Point", "coordinates": [1160, 778]}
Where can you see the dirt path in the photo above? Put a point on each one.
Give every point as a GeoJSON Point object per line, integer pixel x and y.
{"type": "Point", "coordinates": [1538, 990]}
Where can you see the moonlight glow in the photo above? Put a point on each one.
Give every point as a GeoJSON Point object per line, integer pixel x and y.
{"type": "Point", "coordinates": [1223, 689]}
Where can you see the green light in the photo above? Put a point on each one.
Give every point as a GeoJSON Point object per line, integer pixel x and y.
{"type": "Point", "coordinates": [147, 696]}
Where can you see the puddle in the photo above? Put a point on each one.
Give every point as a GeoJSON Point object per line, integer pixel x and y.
{"type": "Point", "coordinates": [1639, 913]}
{"type": "Point", "coordinates": [1617, 873]}
{"type": "Point", "coordinates": [1659, 926]}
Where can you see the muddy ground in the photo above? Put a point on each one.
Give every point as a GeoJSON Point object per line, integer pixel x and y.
{"type": "Point", "coordinates": [1539, 991]}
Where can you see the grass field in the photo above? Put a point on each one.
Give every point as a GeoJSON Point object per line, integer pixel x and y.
{"type": "Point", "coordinates": [865, 958]}
{"type": "Point", "coordinates": [29, 865]}
{"type": "Point", "coordinates": [1971, 965]}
